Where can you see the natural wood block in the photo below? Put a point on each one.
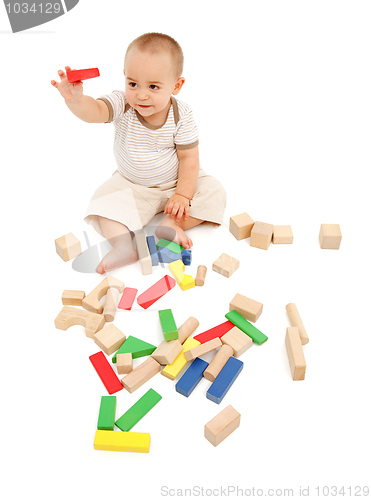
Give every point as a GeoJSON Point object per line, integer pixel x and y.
{"type": "Point", "coordinates": [109, 339]}
{"type": "Point", "coordinates": [261, 235]}
{"type": "Point", "coordinates": [70, 316]}
{"type": "Point", "coordinates": [226, 265]}
{"type": "Point", "coordinates": [295, 320]}
{"type": "Point", "coordinates": [91, 302]}
{"type": "Point", "coordinates": [124, 363]}
{"type": "Point", "coordinates": [240, 226]}
{"type": "Point", "coordinates": [282, 234]}
{"type": "Point", "coordinates": [202, 349]}
{"type": "Point", "coordinates": [187, 328]}
{"type": "Point", "coordinates": [143, 253]}
{"type": "Point", "coordinates": [237, 340]}
{"type": "Point", "coordinates": [110, 306]}
{"type": "Point", "coordinates": [68, 246]}
{"type": "Point", "coordinates": [295, 353]}
{"type": "Point", "coordinates": [141, 374]}
{"type": "Point", "coordinates": [72, 297]}
{"type": "Point", "coordinates": [330, 236]}
{"type": "Point", "coordinates": [217, 363]}
{"type": "Point", "coordinates": [248, 308]}
{"type": "Point", "coordinates": [200, 276]}
{"type": "Point", "coordinates": [222, 425]}
{"type": "Point", "coordinates": [167, 351]}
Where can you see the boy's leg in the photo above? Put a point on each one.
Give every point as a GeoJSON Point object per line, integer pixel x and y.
{"type": "Point", "coordinates": [119, 237]}
{"type": "Point", "coordinates": [171, 230]}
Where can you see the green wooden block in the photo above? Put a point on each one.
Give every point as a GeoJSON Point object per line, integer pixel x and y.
{"type": "Point", "coordinates": [171, 245]}
{"type": "Point", "coordinates": [244, 325]}
{"type": "Point", "coordinates": [137, 347]}
{"type": "Point", "coordinates": [107, 410]}
{"type": "Point", "coordinates": [168, 324]}
{"type": "Point", "coordinates": [138, 410]}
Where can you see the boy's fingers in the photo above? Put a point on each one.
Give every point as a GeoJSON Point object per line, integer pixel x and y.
{"type": "Point", "coordinates": [180, 213]}
{"type": "Point", "coordinates": [175, 209]}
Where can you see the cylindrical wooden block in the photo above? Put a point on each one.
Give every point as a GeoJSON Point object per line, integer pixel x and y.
{"type": "Point", "coordinates": [200, 277]}
{"type": "Point", "coordinates": [295, 319]}
{"type": "Point", "coordinates": [110, 306]}
{"type": "Point", "coordinates": [187, 329]}
{"type": "Point", "coordinates": [219, 360]}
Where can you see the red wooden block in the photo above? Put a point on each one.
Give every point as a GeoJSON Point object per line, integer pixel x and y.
{"type": "Point", "coordinates": [127, 298]}
{"type": "Point", "coordinates": [106, 373]}
{"type": "Point", "coordinates": [82, 74]}
{"type": "Point", "coordinates": [156, 291]}
{"type": "Point", "coordinates": [217, 331]}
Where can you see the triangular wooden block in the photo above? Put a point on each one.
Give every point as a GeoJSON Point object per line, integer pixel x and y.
{"type": "Point", "coordinates": [137, 347]}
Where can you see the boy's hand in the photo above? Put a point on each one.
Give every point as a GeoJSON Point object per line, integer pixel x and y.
{"type": "Point", "coordinates": [69, 91]}
{"type": "Point", "coordinates": [177, 206]}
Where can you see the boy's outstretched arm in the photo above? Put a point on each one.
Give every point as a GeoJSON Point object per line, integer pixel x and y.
{"type": "Point", "coordinates": [84, 107]}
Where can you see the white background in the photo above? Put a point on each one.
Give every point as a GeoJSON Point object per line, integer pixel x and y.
{"type": "Point", "coordinates": [281, 94]}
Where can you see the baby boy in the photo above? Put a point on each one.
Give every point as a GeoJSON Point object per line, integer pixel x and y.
{"type": "Point", "coordinates": [156, 150]}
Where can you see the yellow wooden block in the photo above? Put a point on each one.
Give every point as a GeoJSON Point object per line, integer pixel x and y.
{"type": "Point", "coordinates": [122, 441]}
{"type": "Point", "coordinates": [187, 282]}
{"type": "Point", "coordinates": [173, 370]}
{"type": "Point", "coordinates": [177, 270]}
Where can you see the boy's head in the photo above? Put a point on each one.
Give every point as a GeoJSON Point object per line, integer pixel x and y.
{"type": "Point", "coordinates": [153, 68]}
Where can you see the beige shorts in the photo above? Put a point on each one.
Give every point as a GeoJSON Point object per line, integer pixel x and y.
{"type": "Point", "coordinates": [134, 205]}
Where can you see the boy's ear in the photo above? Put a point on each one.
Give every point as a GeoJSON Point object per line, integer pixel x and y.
{"type": "Point", "coordinates": [178, 85]}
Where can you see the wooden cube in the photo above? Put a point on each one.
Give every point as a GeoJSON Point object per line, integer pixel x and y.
{"type": "Point", "coordinates": [226, 265]}
{"type": "Point", "coordinates": [109, 339]}
{"type": "Point", "coordinates": [72, 297]}
{"type": "Point", "coordinates": [248, 308]}
{"type": "Point", "coordinates": [222, 425]}
{"type": "Point", "coordinates": [261, 235]}
{"type": "Point", "coordinates": [68, 247]}
{"type": "Point", "coordinates": [238, 340]}
{"type": "Point", "coordinates": [240, 226]}
{"type": "Point", "coordinates": [330, 236]}
{"type": "Point", "coordinates": [124, 363]}
{"type": "Point", "coordinates": [282, 234]}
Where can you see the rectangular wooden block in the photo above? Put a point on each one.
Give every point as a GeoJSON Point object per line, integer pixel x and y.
{"type": "Point", "coordinates": [167, 351]}
{"type": "Point", "coordinates": [250, 330]}
{"type": "Point", "coordinates": [240, 226]}
{"type": "Point", "coordinates": [107, 410]}
{"type": "Point", "coordinates": [237, 340]}
{"type": "Point", "coordinates": [109, 339]}
{"type": "Point", "coordinates": [143, 253]}
{"type": "Point", "coordinates": [168, 324]}
{"type": "Point", "coordinates": [171, 245]}
{"type": "Point", "coordinates": [124, 363]}
{"type": "Point", "coordinates": [152, 250]}
{"type": "Point", "coordinates": [138, 410]}
{"type": "Point", "coordinates": [248, 308]}
{"type": "Point", "coordinates": [216, 331]}
{"type": "Point", "coordinates": [77, 75]}
{"type": "Point", "coordinates": [105, 372]}
{"type": "Point", "coordinates": [202, 349]}
{"type": "Point", "coordinates": [226, 265]}
{"type": "Point", "coordinates": [296, 320]}
{"type": "Point", "coordinates": [68, 246]}
{"type": "Point", "coordinates": [261, 235]}
{"type": "Point", "coordinates": [127, 299]}
{"type": "Point", "coordinates": [330, 236]}
{"type": "Point", "coordinates": [224, 380]}
{"type": "Point", "coordinates": [140, 375]}
{"type": "Point", "coordinates": [295, 353]}
{"type": "Point", "coordinates": [72, 297]}
{"type": "Point", "coordinates": [156, 291]}
{"type": "Point", "coordinates": [282, 235]}
{"type": "Point", "coordinates": [122, 441]}
{"type": "Point", "coordinates": [191, 377]}
{"type": "Point", "coordinates": [173, 370]}
{"type": "Point", "coordinates": [222, 425]}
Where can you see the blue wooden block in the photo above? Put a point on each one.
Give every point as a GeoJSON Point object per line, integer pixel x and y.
{"type": "Point", "coordinates": [191, 377]}
{"type": "Point", "coordinates": [187, 256]}
{"type": "Point", "coordinates": [166, 256]}
{"type": "Point", "coordinates": [152, 250]}
{"type": "Point", "coordinates": [224, 380]}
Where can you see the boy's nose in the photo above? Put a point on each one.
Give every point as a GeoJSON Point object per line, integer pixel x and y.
{"type": "Point", "coordinates": [142, 96]}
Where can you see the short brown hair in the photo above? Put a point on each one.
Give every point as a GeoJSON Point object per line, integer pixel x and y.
{"type": "Point", "coordinates": [156, 42]}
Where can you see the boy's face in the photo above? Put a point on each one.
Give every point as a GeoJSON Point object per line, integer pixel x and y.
{"type": "Point", "coordinates": [150, 81]}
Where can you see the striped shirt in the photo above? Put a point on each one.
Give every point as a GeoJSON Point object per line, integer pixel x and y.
{"type": "Point", "coordinates": [146, 154]}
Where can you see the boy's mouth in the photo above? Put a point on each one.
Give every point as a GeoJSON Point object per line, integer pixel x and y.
{"type": "Point", "coordinates": [143, 106]}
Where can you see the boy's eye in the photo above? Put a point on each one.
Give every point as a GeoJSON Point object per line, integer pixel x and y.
{"type": "Point", "coordinates": [153, 87]}
{"type": "Point", "coordinates": [132, 84]}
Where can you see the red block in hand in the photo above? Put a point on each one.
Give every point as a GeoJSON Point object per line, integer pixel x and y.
{"type": "Point", "coordinates": [82, 74]}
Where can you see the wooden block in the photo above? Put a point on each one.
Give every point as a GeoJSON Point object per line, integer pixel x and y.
{"type": "Point", "coordinates": [110, 305]}
{"type": "Point", "coordinates": [140, 375]}
{"type": "Point", "coordinates": [237, 340]}
{"type": "Point", "coordinates": [187, 282]}
{"type": "Point", "coordinates": [91, 302]}
{"type": "Point", "coordinates": [191, 377]}
{"type": "Point", "coordinates": [166, 352]}
{"type": "Point", "coordinates": [138, 410]}
{"type": "Point", "coordinates": [330, 236]}
{"type": "Point", "coordinates": [127, 298]}
{"type": "Point", "coordinates": [143, 253]}
{"type": "Point", "coordinates": [187, 328]}
{"type": "Point", "coordinates": [295, 320]}
{"type": "Point", "coordinates": [156, 291]}
{"type": "Point", "coordinates": [295, 353]}
{"type": "Point", "coordinates": [202, 349]}
{"type": "Point", "coordinates": [240, 226]}
{"type": "Point", "coordinates": [124, 363]}
{"type": "Point", "coordinates": [68, 246]}
{"type": "Point", "coordinates": [261, 235]}
{"type": "Point", "coordinates": [226, 265]}
{"type": "Point", "coordinates": [109, 339]}
{"type": "Point", "coordinates": [105, 372]}
{"type": "Point", "coordinates": [70, 316]}
{"type": "Point", "coordinates": [177, 270]}
{"type": "Point", "coordinates": [219, 360]}
{"type": "Point", "coordinates": [166, 256]}
{"type": "Point", "coordinates": [173, 370]}
{"type": "Point", "coordinates": [170, 245]}
{"type": "Point", "coordinates": [152, 250]}
{"type": "Point", "coordinates": [137, 347]}
{"type": "Point", "coordinates": [216, 331]}
{"type": "Point", "coordinates": [168, 324]}
{"type": "Point", "coordinates": [77, 75]}
{"type": "Point", "coordinates": [250, 330]}
{"type": "Point", "coordinates": [248, 308]}
{"type": "Point", "coordinates": [186, 256]}
{"type": "Point", "coordinates": [282, 234]}
{"type": "Point", "coordinates": [122, 441]}
{"type": "Point", "coordinates": [200, 276]}
{"type": "Point", "coordinates": [107, 410]}
{"type": "Point", "coordinates": [224, 380]}
{"type": "Point", "coordinates": [72, 297]}
{"type": "Point", "coordinates": [222, 425]}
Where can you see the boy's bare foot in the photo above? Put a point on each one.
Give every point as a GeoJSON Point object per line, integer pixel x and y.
{"type": "Point", "coordinates": [122, 254]}
{"type": "Point", "coordinates": [170, 230]}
